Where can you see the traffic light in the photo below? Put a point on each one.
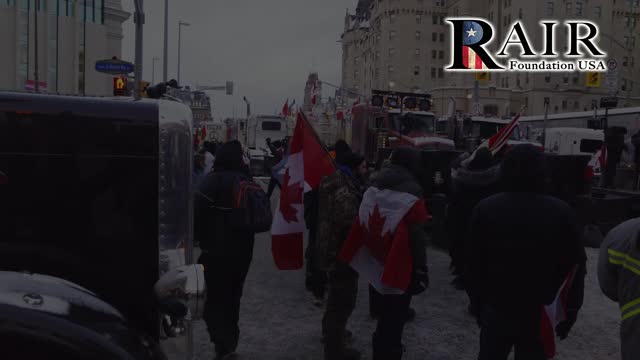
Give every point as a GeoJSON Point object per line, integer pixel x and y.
{"type": "Point", "coordinates": [483, 76]}
{"type": "Point", "coordinates": [119, 86]}
{"type": "Point", "coordinates": [593, 79]}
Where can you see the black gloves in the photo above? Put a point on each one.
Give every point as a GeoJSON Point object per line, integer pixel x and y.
{"type": "Point", "coordinates": [564, 327]}
{"type": "Point", "coordinates": [419, 281]}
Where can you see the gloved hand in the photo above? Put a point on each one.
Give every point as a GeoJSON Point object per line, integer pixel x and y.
{"type": "Point", "coordinates": [419, 281]}
{"type": "Point", "coordinates": [564, 327]}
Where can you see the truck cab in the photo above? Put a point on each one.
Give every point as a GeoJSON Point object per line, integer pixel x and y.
{"type": "Point", "coordinates": [259, 129]}
{"type": "Point", "coordinates": [96, 233]}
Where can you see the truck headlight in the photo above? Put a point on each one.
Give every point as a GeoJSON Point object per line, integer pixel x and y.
{"type": "Point", "coordinates": [181, 292]}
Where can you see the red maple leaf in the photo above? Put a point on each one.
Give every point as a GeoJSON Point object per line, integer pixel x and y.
{"type": "Point", "coordinates": [290, 194]}
{"type": "Point", "coordinates": [377, 242]}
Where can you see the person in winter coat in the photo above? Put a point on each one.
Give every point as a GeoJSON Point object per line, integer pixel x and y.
{"type": "Point", "coordinates": [470, 185]}
{"type": "Point", "coordinates": [227, 251]}
{"type": "Point", "coordinates": [522, 246]}
{"type": "Point", "coordinates": [619, 277]}
{"type": "Point", "coordinates": [392, 311]}
{"type": "Point", "coordinates": [339, 198]}
{"type": "Point", "coordinates": [315, 276]}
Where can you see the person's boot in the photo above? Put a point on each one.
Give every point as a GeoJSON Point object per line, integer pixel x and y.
{"type": "Point", "coordinates": [343, 353]}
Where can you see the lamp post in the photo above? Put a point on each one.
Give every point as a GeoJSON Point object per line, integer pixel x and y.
{"type": "Point", "coordinates": [165, 63]}
{"type": "Point", "coordinates": [180, 25]}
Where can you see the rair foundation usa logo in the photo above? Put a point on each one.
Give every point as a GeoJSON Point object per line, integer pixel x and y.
{"type": "Point", "coordinates": [472, 38]}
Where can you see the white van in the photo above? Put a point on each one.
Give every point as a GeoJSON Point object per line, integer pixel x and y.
{"type": "Point", "coordinates": [573, 141]}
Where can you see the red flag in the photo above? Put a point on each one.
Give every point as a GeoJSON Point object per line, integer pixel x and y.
{"type": "Point", "coordinates": [499, 139]}
{"type": "Point", "coordinates": [340, 115]}
{"type": "Point", "coordinates": [554, 314]}
{"type": "Point", "coordinates": [378, 244]}
{"type": "Point", "coordinates": [285, 109]}
{"type": "Point", "coordinates": [204, 132]}
{"type": "Point", "coordinates": [307, 163]}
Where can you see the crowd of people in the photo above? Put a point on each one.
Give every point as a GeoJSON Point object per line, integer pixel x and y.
{"type": "Point", "coordinates": [514, 250]}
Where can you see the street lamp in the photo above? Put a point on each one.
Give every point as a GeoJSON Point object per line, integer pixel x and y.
{"type": "Point", "coordinates": [180, 25]}
{"type": "Point", "coordinates": [153, 72]}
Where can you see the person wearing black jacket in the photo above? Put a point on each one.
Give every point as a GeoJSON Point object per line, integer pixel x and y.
{"type": "Point", "coordinates": [227, 251]}
{"type": "Point", "coordinates": [470, 185]}
{"type": "Point", "coordinates": [522, 246]}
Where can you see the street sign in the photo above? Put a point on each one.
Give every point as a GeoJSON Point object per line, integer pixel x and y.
{"type": "Point", "coordinates": [609, 102]}
{"type": "Point", "coordinates": [593, 79]}
{"type": "Point", "coordinates": [114, 67]}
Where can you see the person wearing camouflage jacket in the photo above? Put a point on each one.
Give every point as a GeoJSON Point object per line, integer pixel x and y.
{"type": "Point", "coordinates": [339, 196]}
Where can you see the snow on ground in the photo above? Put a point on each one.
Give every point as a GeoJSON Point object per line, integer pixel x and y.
{"type": "Point", "coordinates": [279, 321]}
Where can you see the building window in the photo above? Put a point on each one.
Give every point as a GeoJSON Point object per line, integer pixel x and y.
{"type": "Point", "coordinates": [418, 35]}
{"type": "Point", "coordinates": [417, 52]}
{"type": "Point", "coordinates": [569, 8]}
{"type": "Point", "coordinates": [597, 12]}
{"type": "Point", "coordinates": [391, 69]}
{"type": "Point", "coordinates": [433, 73]}
{"type": "Point", "coordinates": [576, 79]}
{"type": "Point", "coordinates": [434, 54]}
{"type": "Point", "coordinates": [356, 74]}
{"type": "Point", "coordinates": [418, 19]}
{"type": "Point", "coordinates": [520, 14]}
{"type": "Point", "coordinates": [441, 20]}
{"type": "Point", "coordinates": [547, 78]}
{"type": "Point", "coordinates": [576, 105]}
{"type": "Point", "coordinates": [625, 61]}
{"type": "Point", "coordinates": [578, 8]}
{"type": "Point", "coordinates": [434, 37]}
{"type": "Point", "coordinates": [356, 60]}
{"type": "Point", "coordinates": [518, 80]}
{"type": "Point", "coordinates": [435, 20]}
{"type": "Point", "coordinates": [392, 51]}
{"type": "Point", "coordinates": [624, 85]}
{"type": "Point", "coordinates": [564, 104]}
{"type": "Point", "coordinates": [416, 70]}
{"type": "Point", "coordinates": [392, 18]}
{"type": "Point", "coordinates": [392, 34]}
{"type": "Point", "coordinates": [548, 9]}
{"type": "Point", "coordinates": [565, 79]}
{"type": "Point", "coordinates": [440, 73]}
{"type": "Point", "coordinates": [526, 79]}
{"type": "Point", "coordinates": [441, 37]}
{"type": "Point", "coordinates": [441, 54]}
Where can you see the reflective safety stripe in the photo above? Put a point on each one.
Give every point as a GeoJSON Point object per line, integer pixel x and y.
{"type": "Point", "coordinates": [630, 314]}
{"type": "Point", "coordinates": [630, 304]}
{"type": "Point", "coordinates": [626, 261]}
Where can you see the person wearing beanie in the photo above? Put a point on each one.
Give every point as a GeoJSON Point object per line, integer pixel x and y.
{"type": "Point", "coordinates": [522, 247]}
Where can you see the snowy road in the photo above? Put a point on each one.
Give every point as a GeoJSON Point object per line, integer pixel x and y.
{"type": "Point", "coordinates": [279, 321]}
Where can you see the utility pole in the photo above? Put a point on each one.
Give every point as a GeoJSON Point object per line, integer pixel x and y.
{"type": "Point", "coordinates": [153, 71]}
{"type": "Point", "coordinates": [165, 64]}
{"type": "Point", "coordinates": [139, 21]}
{"type": "Point", "coordinates": [35, 52]}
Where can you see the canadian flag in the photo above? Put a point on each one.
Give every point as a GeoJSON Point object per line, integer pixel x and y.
{"type": "Point", "coordinates": [498, 140]}
{"type": "Point", "coordinates": [285, 109]}
{"type": "Point", "coordinates": [378, 245]}
{"type": "Point", "coordinates": [306, 164]}
{"type": "Point", "coordinates": [554, 314]}
{"type": "Point", "coordinates": [599, 161]}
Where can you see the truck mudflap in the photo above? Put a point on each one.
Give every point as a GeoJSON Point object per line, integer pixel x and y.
{"type": "Point", "coordinates": [55, 318]}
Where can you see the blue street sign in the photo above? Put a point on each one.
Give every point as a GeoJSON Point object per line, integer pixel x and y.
{"type": "Point", "coordinates": [114, 67]}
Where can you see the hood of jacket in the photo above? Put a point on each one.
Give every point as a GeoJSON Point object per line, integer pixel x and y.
{"type": "Point", "coordinates": [396, 178]}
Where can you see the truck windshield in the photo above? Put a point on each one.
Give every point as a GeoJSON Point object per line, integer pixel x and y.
{"type": "Point", "coordinates": [413, 124]}
{"type": "Point", "coordinates": [485, 130]}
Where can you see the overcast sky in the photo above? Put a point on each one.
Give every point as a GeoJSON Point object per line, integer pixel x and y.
{"type": "Point", "coordinates": [267, 47]}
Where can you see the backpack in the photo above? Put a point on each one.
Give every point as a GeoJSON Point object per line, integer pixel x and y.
{"type": "Point", "coordinates": [255, 206]}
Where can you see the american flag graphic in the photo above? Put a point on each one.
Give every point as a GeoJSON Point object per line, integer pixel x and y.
{"type": "Point", "coordinates": [472, 34]}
